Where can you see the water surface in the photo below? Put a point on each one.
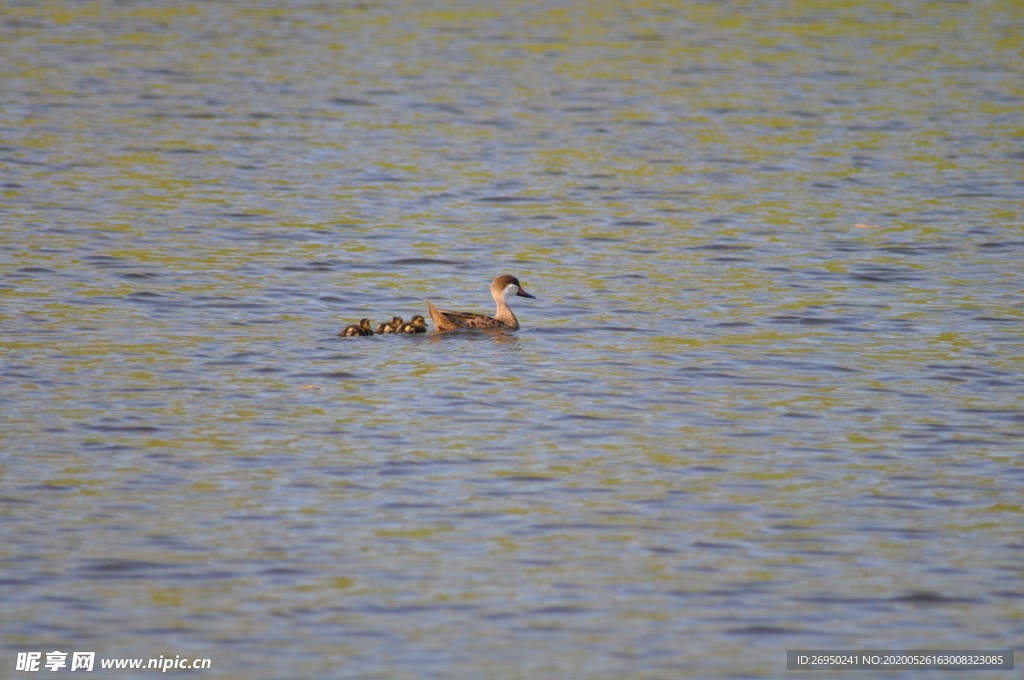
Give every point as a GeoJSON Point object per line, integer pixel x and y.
{"type": "Point", "coordinates": [769, 396]}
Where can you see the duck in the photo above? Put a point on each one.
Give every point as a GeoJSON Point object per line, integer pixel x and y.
{"type": "Point", "coordinates": [417, 325]}
{"type": "Point", "coordinates": [357, 330]}
{"type": "Point", "coordinates": [502, 288]}
{"type": "Point", "coordinates": [390, 326]}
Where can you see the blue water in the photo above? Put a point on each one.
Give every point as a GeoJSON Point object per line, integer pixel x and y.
{"type": "Point", "coordinates": [769, 395]}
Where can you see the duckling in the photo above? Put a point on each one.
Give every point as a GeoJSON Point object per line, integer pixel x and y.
{"type": "Point", "coordinates": [357, 330]}
{"type": "Point", "coordinates": [417, 325]}
{"type": "Point", "coordinates": [390, 326]}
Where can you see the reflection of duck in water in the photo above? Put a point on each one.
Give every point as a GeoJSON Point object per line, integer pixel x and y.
{"type": "Point", "coordinates": [501, 288]}
{"type": "Point", "coordinates": [357, 330]}
{"type": "Point", "coordinates": [417, 325]}
{"type": "Point", "coordinates": [389, 326]}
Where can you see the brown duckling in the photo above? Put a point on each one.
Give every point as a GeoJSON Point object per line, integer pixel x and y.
{"type": "Point", "coordinates": [417, 325]}
{"type": "Point", "coordinates": [390, 326]}
{"type": "Point", "coordinates": [357, 330]}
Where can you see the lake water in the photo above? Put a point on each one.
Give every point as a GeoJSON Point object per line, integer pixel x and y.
{"type": "Point", "coordinates": [770, 395]}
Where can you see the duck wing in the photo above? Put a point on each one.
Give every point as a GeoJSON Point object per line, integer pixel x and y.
{"type": "Point", "coordinates": [446, 320]}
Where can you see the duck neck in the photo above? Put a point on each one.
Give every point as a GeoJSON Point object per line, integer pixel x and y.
{"type": "Point", "coordinates": [504, 315]}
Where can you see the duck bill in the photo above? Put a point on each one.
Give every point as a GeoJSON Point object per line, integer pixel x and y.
{"type": "Point", "coordinates": [523, 293]}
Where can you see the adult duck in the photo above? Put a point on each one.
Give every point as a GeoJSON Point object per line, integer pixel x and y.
{"type": "Point", "coordinates": [502, 288]}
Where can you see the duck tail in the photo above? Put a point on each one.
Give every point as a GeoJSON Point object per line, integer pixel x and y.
{"type": "Point", "coordinates": [441, 323]}
{"type": "Point", "coordinates": [434, 312]}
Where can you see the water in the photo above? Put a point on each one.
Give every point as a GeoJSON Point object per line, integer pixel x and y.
{"type": "Point", "coordinates": [769, 396]}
